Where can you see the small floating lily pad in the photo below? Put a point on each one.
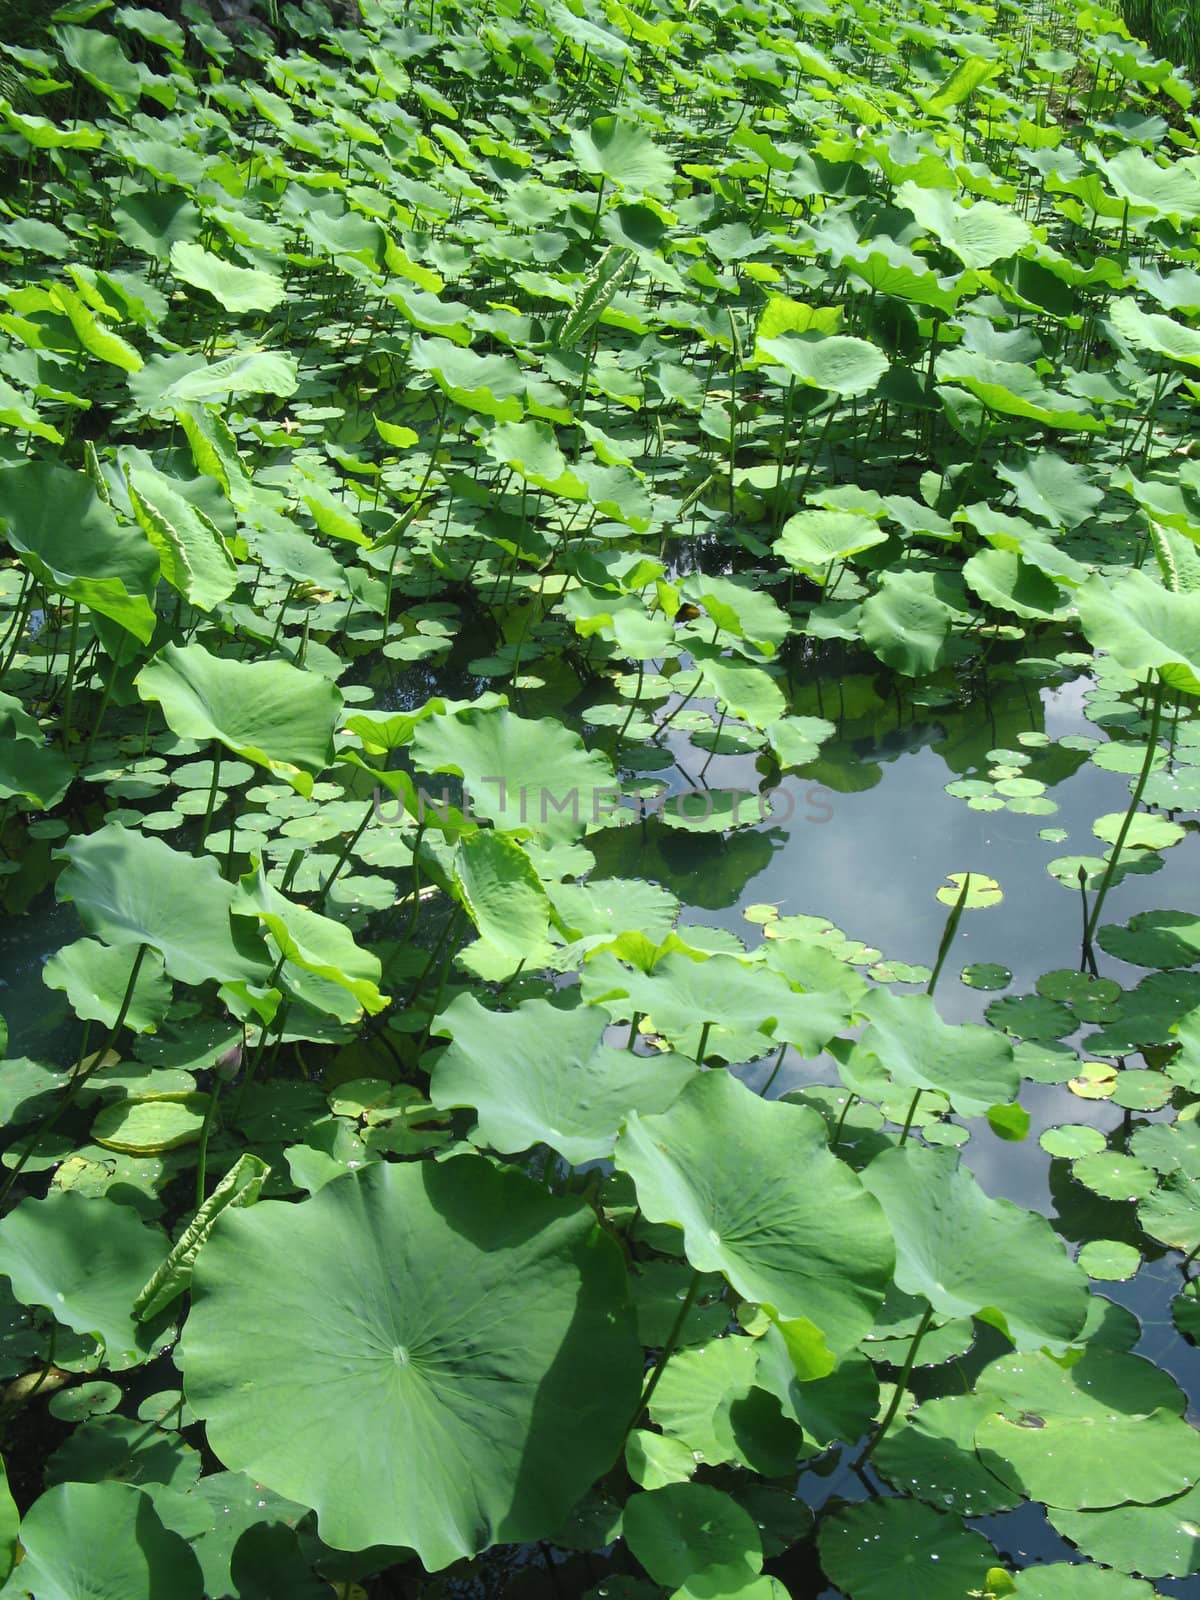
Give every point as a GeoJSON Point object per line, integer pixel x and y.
{"type": "Point", "coordinates": [986, 975]}
{"type": "Point", "coordinates": [1072, 1139]}
{"type": "Point", "coordinates": [1109, 1260]}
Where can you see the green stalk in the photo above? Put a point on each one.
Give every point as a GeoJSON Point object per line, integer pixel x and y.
{"type": "Point", "coordinates": [667, 1351]}
{"type": "Point", "coordinates": [901, 1382]}
{"type": "Point", "coordinates": [77, 1080]}
{"type": "Point", "coordinates": [205, 1131]}
{"type": "Point", "coordinates": [212, 797]}
{"type": "Point", "coordinates": [69, 689]}
{"type": "Point", "coordinates": [1089, 932]}
{"type": "Point", "coordinates": [352, 840]}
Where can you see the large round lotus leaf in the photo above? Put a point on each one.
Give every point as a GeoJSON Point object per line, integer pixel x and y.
{"type": "Point", "coordinates": [1064, 1582]}
{"type": "Point", "coordinates": [701, 1398]}
{"type": "Point", "coordinates": [1172, 1213]}
{"type": "Point", "coordinates": [931, 1453]}
{"type": "Point", "coordinates": [96, 976]}
{"type": "Point", "coordinates": [978, 235]}
{"type": "Point", "coordinates": [812, 540]}
{"type": "Point", "coordinates": [684, 1530]}
{"type": "Point", "coordinates": [235, 288]}
{"type": "Point", "coordinates": [907, 621]}
{"type": "Point", "coordinates": [103, 1541]}
{"type": "Point", "coordinates": [542, 1075]}
{"type": "Point", "coordinates": [1157, 1541]}
{"type": "Point", "coordinates": [130, 889]}
{"type": "Point", "coordinates": [971, 1065]}
{"type": "Point", "coordinates": [1155, 939]}
{"type": "Point", "coordinates": [759, 1197]}
{"type": "Point", "coordinates": [622, 152]}
{"type": "Point", "coordinates": [526, 775]}
{"type": "Point", "coordinates": [73, 542]}
{"type": "Point", "coordinates": [264, 711]}
{"type": "Point", "coordinates": [1144, 626]}
{"type": "Point", "coordinates": [901, 1550]}
{"type": "Point", "coordinates": [1096, 1434]}
{"type": "Point", "coordinates": [970, 1255]}
{"type": "Point", "coordinates": [84, 1259]}
{"type": "Point", "coordinates": [466, 1344]}
{"type": "Point", "coordinates": [836, 363]}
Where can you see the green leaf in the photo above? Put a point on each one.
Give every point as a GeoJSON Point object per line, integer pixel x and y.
{"type": "Point", "coordinates": [973, 1066]}
{"type": "Point", "coordinates": [1062, 1582]}
{"type": "Point", "coordinates": [932, 1453]}
{"type": "Point", "coordinates": [98, 58]}
{"type": "Point", "coordinates": [979, 235]}
{"type": "Point", "coordinates": [970, 74]}
{"type": "Point", "coordinates": [192, 551]}
{"type": "Point", "coordinates": [166, 382]}
{"type": "Point", "coordinates": [96, 977]}
{"type": "Point", "coordinates": [1098, 1433]}
{"type": "Point", "coordinates": [1148, 330]}
{"type": "Point", "coordinates": [970, 1255]}
{"type": "Point", "coordinates": [1159, 1541]}
{"type": "Point", "coordinates": [524, 775]}
{"type": "Point", "coordinates": [1010, 388]}
{"type": "Point", "coordinates": [264, 711]}
{"type": "Point", "coordinates": [131, 889]}
{"type": "Point", "coordinates": [95, 338]}
{"type": "Point", "coordinates": [72, 541]}
{"type": "Point", "coordinates": [760, 1198]}
{"type": "Point", "coordinates": [901, 1550]}
{"type": "Point", "coordinates": [84, 1260]}
{"type": "Point", "coordinates": [239, 1187]}
{"type": "Point", "coordinates": [1154, 939]}
{"type": "Point", "coordinates": [1002, 579]}
{"type": "Point", "coordinates": [837, 364]}
{"type": "Point", "coordinates": [1144, 627]}
{"type": "Point", "coordinates": [234, 288]}
{"type": "Point", "coordinates": [130, 1554]}
{"type": "Point", "coordinates": [687, 1531]}
{"type": "Point", "coordinates": [10, 1522]}
{"type": "Point", "coordinates": [907, 622]}
{"type": "Point", "coordinates": [543, 1075]}
{"type": "Point", "coordinates": [503, 895]}
{"type": "Point", "coordinates": [812, 540]}
{"type": "Point", "coordinates": [510, 1424]}
{"type": "Point", "coordinates": [622, 153]}
{"type": "Point", "coordinates": [315, 945]}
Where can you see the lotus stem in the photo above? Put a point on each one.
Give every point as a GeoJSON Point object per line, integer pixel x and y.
{"type": "Point", "coordinates": [703, 1045]}
{"type": "Point", "coordinates": [202, 1153]}
{"type": "Point", "coordinates": [1089, 932]}
{"type": "Point", "coordinates": [351, 841]}
{"type": "Point", "coordinates": [851, 1097]}
{"type": "Point", "coordinates": [889, 1415]}
{"type": "Point", "coordinates": [212, 796]}
{"type": "Point", "coordinates": [69, 689]}
{"type": "Point", "coordinates": [667, 1351]}
{"type": "Point", "coordinates": [912, 1111]}
{"type": "Point", "coordinates": [78, 1078]}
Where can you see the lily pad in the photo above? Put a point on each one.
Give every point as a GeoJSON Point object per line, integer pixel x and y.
{"type": "Point", "coordinates": [903, 1550]}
